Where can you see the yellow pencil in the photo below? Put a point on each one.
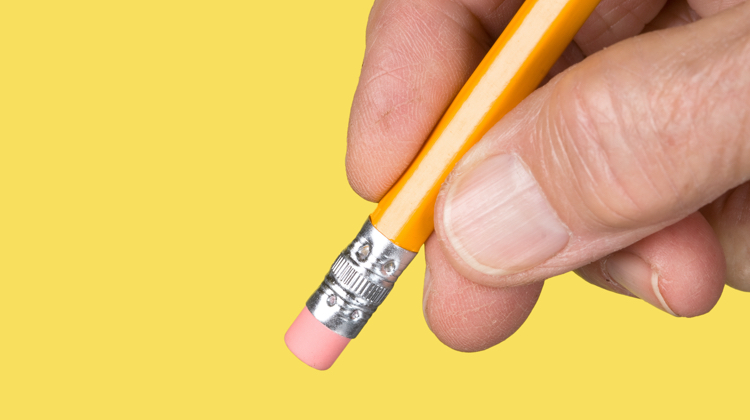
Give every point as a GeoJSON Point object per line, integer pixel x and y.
{"type": "Point", "coordinates": [364, 273]}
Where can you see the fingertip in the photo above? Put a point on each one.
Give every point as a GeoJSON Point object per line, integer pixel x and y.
{"type": "Point", "coordinates": [692, 284]}
{"type": "Point", "coordinates": [356, 173]}
{"type": "Point", "coordinates": [467, 316]}
{"type": "Point", "coordinates": [679, 269]}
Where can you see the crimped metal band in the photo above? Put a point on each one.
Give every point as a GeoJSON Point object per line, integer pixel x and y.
{"type": "Point", "coordinates": [358, 282]}
{"type": "Point", "coordinates": [346, 274]}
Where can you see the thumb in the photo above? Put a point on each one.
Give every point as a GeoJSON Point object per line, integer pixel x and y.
{"type": "Point", "coordinates": [632, 140]}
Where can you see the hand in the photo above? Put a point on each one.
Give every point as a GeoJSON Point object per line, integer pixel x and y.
{"type": "Point", "coordinates": [630, 166]}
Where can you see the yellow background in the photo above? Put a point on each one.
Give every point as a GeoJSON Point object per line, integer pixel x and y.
{"type": "Point", "coordinates": [172, 189]}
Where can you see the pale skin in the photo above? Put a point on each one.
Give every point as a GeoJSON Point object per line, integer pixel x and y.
{"type": "Point", "coordinates": [641, 150]}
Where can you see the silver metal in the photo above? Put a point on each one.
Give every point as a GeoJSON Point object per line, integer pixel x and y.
{"type": "Point", "coordinates": [358, 282]}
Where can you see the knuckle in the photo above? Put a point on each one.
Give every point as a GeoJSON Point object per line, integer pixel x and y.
{"type": "Point", "coordinates": [616, 174]}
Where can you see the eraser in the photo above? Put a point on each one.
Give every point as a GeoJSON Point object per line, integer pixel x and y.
{"type": "Point", "coordinates": [313, 343]}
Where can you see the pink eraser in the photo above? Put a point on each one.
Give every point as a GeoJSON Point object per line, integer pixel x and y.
{"type": "Point", "coordinates": [312, 342]}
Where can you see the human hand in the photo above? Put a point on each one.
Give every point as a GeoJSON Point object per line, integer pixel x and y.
{"type": "Point", "coordinates": [631, 166]}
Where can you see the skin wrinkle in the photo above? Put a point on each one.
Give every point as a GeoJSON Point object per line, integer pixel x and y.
{"type": "Point", "coordinates": [662, 159]}
{"type": "Point", "coordinates": [380, 103]}
{"type": "Point", "coordinates": [694, 114]}
{"type": "Point", "coordinates": [427, 52]}
{"type": "Point", "coordinates": [389, 72]}
{"type": "Point", "coordinates": [471, 15]}
{"type": "Point", "coordinates": [606, 27]}
{"type": "Point", "coordinates": [401, 11]}
{"type": "Point", "coordinates": [453, 328]}
{"type": "Point", "coordinates": [643, 18]}
{"type": "Point", "coordinates": [504, 17]}
{"type": "Point", "coordinates": [390, 111]}
{"type": "Point", "coordinates": [661, 164]}
{"type": "Point", "coordinates": [381, 117]}
{"type": "Point", "coordinates": [421, 25]}
{"type": "Point", "coordinates": [596, 186]}
{"type": "Point", "coordinates": [475, 308]}
{"type": "Point", "coordinates": [621, 17]}
{"type": "Point", "coordinates": [446, 52]}
{"type": "Point", "coordinates": [619, 112]}
{"type": "Point", "coordinates": [598, 23]}
{"type": "Point", "coordinates": [384, 126]}
{"type": "Point", "coordinates": [584, 122]}
{"type": "Point", "coordinates": [508, 15]}
{"type": "Point", "coordinates": [474, 30]}
{"type": "Point", "coordinates": [416, 38]}
{"type": "Point", "coordinates": [560, 140]}
{"type": "Point", "coordinates": [592, 180]}
{"type": "Point", "coordinates": [557, 151]}
{"type": "Point", "coordinates": [557, 148]}
{"type": "Point", "coordinates": [690, 139]}
{"type": "Point", "coordinates": [495, 17]}
{"type": "Point", "coordinates": [485, 42]}
{"type": "Point", "coordinates": [714, 103]}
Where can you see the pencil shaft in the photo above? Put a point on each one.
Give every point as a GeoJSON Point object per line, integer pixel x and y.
{"type": "Point", "coordinates": [510, 71]}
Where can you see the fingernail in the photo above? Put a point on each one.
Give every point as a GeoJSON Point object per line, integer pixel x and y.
{"type": "Point", "coordinates": [634, 274]}
{"type": "Point", "coordinates": [611, 284]}
{"type": "Point", "coordinates": [498, 221]}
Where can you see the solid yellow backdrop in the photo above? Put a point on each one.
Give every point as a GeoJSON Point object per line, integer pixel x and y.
{"type": "Point", "coordinates": [172, 189]}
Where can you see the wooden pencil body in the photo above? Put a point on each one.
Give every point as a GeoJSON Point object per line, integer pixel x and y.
{"type": "Point", "coordinates": [510, 71]}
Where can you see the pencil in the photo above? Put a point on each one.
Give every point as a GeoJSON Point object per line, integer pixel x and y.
{"type": "Point", "coordinates": [365, 272]}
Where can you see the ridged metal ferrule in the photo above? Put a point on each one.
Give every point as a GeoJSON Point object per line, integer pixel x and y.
{"type": "Point", "coordinates": [358, 282]}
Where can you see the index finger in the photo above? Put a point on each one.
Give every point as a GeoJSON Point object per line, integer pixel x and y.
{"type": "Point", "coordinates": [418, 55]}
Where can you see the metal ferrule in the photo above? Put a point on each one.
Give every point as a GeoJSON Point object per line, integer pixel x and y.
{"type": "Point", "coordinates": [358, 282]}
